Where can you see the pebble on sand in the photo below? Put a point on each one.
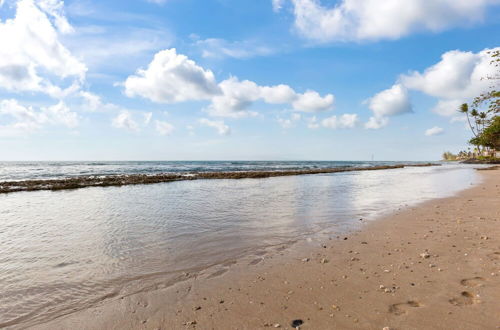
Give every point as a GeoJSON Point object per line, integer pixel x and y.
{"type": "Point", "coordinates": [425, 255]}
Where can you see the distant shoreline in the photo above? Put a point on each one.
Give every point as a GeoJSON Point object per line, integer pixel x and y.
{"type": "Point", "coordinates": [134, 179]}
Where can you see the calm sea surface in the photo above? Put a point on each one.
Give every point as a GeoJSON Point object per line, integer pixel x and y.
{"type": "Point", "coordinates": [62, 251]}
{"type": "Point", "coordinates": [14, 171]}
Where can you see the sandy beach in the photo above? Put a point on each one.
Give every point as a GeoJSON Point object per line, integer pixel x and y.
{"type": "Point", "coordinates": [434, 266]}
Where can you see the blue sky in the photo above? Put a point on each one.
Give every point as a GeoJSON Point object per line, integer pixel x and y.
{"type": "Point", "coordinates": [246, 79]}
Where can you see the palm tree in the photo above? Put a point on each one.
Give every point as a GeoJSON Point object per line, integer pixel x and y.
{"type": "Point", "coordinates": [482, 117]}
{"type": "Point", "coordinates": [464, 108]}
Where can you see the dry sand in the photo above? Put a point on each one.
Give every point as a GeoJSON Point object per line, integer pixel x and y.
{"type": "Point", "coordinates": [434, 266]}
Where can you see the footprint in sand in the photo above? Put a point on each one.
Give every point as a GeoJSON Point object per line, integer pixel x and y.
{"type": "Point", "coordinates": [403, 308]}
{"type": "Point", "coordinates": [255, 261]}
{"type": "Point", "coordinates": [217, 273]}
{"type": "Point", "coordinates": [465, 298]}
{"type": "Point", "coordinates": [472, 282]}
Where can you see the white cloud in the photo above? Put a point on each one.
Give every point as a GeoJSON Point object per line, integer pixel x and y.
{"type": "Point", "coordinates": [460, 119]}
{"type": "Point", "coordinates": [219, 125]}
{"type": "Point", "coordinates": [22, 119]}
{"type": "Point", "coordinates": [455, 79]}
{"type": "Point", "coordinates": [125, 120]}
{"type": "Point", "coordinates": [55, 9]}
{"type": "Point", "coordinates": [375, 19]}
{"type": "Point", "coordinates": [376, 122]}
{"type": "Point", "coordinates": [311, 101]}
{"type": "Point", "coordinates": [170, 78]}
{"type": "Point", "coordinates": [92, 101]}
{"type": "Point", "coordinates": [236, 97]}
{"type": "Point", "coordinates": [279, 94]}
{"type": "Point", "coordinates": [116, 48]}
{"type": "Point", "coordinates": [61, 114]}
{"type": "Point", "coordinates": [220, 48]}
{"type": "Point", "coordinates": [163, 128]}
{"type": "Point", "coordinates": [458, 75]}
{"type": "Point", "coordinates": [390, 102]}
{"type": "Point", "coordinates": [312, 123]}
{"type": "Point", "coordinates": [344, 121]}
{"type": "Point", "coordinates": [434, 131]}
{"type": "Point", "coordinates": [32, 55]}
{"type": "Point", "coordinates": [447, 108]}
{"type": "Point", "coordinates": [286, 123]}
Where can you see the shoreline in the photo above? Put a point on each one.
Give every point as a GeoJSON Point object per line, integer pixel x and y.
{"type": "Point", "coordinates": [432, 266]}
{"type": "Point", "coordinates": [136, 179]}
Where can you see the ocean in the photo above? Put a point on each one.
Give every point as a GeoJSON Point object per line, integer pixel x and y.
{"type": "Point", "coordinates": [15, 171]}
{"type": "Point", "coordinates": [63, 251]}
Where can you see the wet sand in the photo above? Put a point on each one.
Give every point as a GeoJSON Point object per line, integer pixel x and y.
{"type": "Point", "coordinates": [132, 179]}
{"type": "Point", "coordinates": [434, 266]}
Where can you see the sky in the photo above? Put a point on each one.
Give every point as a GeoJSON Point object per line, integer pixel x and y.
{"type": "Point", "coordinates": [240, 79]}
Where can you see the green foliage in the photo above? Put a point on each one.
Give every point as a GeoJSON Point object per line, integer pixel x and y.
{"type": "Point", "coordinates": [449, 156]}
{"type": "Point", "coordinates": [482, 113]}
{"type": "Point", "coordinates": [490, 136]}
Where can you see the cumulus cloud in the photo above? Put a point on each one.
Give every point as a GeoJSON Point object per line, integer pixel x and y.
{"type": "Point", "coordinates": [172, 77]}
{"type": "Point", "coordinates": [455, 79]}
{"type": "Point", "coordinates": [373, 19]}
{"type": "Point", "coordinates": [219, 125]}
{"type": "Point", "coordinates": [390, 102]}
{"type": "Point", "coordinates": [343, 121]}
{"type": "Point", "coordinates": [32, 55]}
{"type": "Point", "coordinates": [163, 128]}
{"type": "Point", "coordinates": [237, 96]}
{"type": "Point", "coordinates": [92, 102]}
{"type": "Point", "coordinates": [61, 114]}
{"type": "Point", "coordinates": [289, 122]}
{"type": "Point", "coordinates": [434, 131]}
{"type": "Point", "coordinates": [376, 122]}
{"type": "Point", "coordinates": [311, 101]}
{"type": "Point", "coordinates": [27, 119]}
{"type": "Point", "coordinates": [124, 120]}
{"type": "Point", "coordinates": [447, 108]}
{"type": "Point", "coordinates": [457, 75]}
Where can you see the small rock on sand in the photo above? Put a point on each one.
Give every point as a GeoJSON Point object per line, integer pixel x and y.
{"type": "Point", "coordinates": [425, 255]}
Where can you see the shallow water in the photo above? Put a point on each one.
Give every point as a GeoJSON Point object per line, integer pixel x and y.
{"type": "Point", "coordinates": [65, 250]}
